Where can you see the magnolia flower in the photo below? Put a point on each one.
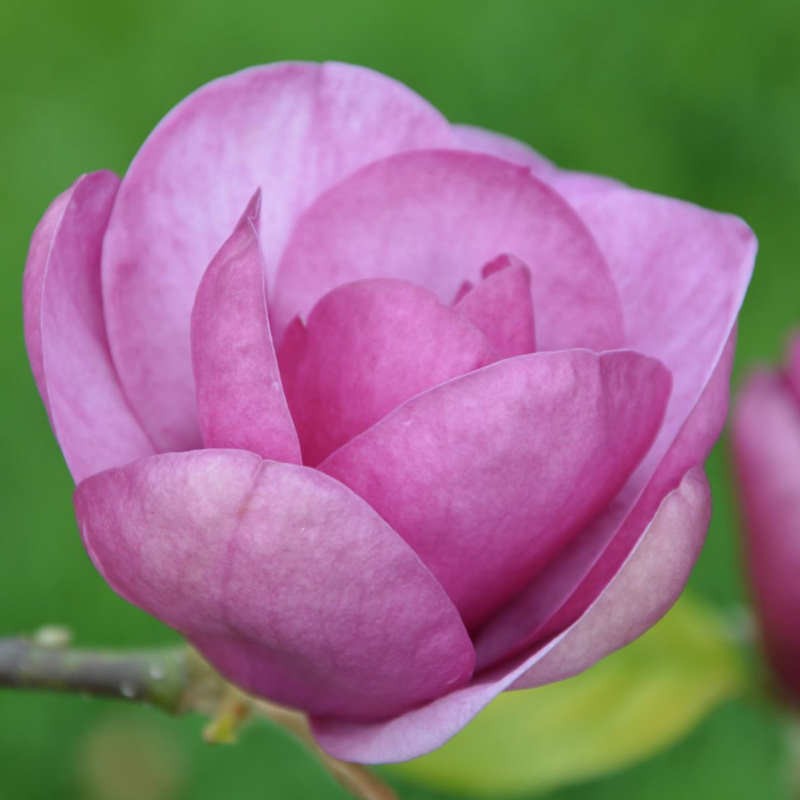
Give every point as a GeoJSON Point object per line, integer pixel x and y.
{"type": "Point", "coordinates": [385, 415]}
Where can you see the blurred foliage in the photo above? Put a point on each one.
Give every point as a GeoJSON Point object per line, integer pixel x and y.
{"type": "Point", "coordinates": [698, 100]}
{"type": "Point", "coordinates": [632, 704]}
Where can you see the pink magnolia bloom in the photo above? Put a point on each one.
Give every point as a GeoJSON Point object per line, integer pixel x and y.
{"type": "Point", "coordinates": [422, 421]}
{"type": "Point", "coordinates": [766, 450]}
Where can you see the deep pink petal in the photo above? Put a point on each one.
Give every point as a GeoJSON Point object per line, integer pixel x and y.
{"type": "Point", "coordinates": [645, 587]}
{"type": "Point", "coordinates": [766, 448]}
{"type": "Point", "coordinates": [240, 399]}
{"type": "Point", "coordinates": [65, 334]}
{"type": "Point", "coordinates": [501, 306]}
{"type": "Point", "coordinates": [434, 218]}
{"type": "Point", "coordinates": [578, 574]}
{"type": "Point", "coordinates": [292, 129]}
{"type": "Point", "coordinates": [287, 582]}
{"type": "Point", "coordinates": [487, 476]}
{"type": "Point", "coordinates": [464, 289]}
{"type": "Point", "coordinates": [370, 346]}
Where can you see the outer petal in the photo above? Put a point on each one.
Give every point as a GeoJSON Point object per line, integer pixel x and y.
{"type": "Point", "coordinates": [65, 334]}
{"type": "Point", "coordinates": [501, 306]}
{"type": "Point", "coordinates": [766, 447]}
{"type": "Point", "coordinates": [573, 185]}
{"type": "Point", "coordinates": [644, 588]}
{"type": "Point", "coordinates": [33, 287]}
{"type": "Point", "coordinates": [480, 140]}
{"type": "Point", "coordinates": [681, 272]}
{"type": "Point", "coordinates": [487, 476]}
{"type": "Point", "coordinates": [370, 346]}
{"type": "Point", "coordinates": [240, 399]}
{"type": "Point", "coordinates": [292, 129]}
{"type": "Point", "coordinates": [434, 218]}
{"type": "Point", "coordinates": [287, 582]}
{"type": "Point", "coordinates": [565, 182]}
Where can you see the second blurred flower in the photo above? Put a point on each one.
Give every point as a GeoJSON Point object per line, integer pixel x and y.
{"type": "Point", "coordinates": [766, 446]}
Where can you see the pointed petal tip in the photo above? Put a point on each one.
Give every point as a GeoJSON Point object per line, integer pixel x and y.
{"type": "Point", "coordinates": [504, 261]}
{"type": "Point", "coordinates": [253, 210]}
{"type": "Point", "coordinates": [240, 401]}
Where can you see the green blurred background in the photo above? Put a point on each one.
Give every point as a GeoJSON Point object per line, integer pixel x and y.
{"type": "Point", "coordinates": [695, 99]}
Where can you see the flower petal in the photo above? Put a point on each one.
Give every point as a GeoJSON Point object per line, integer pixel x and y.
{"type": "Point", "coordinates": [572, 184]}
{"type": "Point", "coordinates": [370, 346]}
{"type": "Point", "coordinates": [489, 475]}
{"type": "Point", "coordinates": [557, 597]}
{"type": "Point", "coordinates": [566, 182]}
{"type": "Point", "coordinates": [33, 286]}
{"type": "Point", "coordinates": [480, 140]}
{"type": "Point", "coordinates": [501, 306]}
{"type": "Point", "coordinates": [65, 333]}
{"type": "Point", "coordinates": [240, 399]}
{"type": "Point", "coordinates": [292, 129]}
{"type": "Point", "coordinates": [766, 446]}
{"type": "Point", "coordinates": [434, 218]}
{"type": "Point", "coordinates": [644, 588]}
{"type": "Point", "coordinates": [286, 581]}
{"type": "Point", "coordinates": [681, 272]}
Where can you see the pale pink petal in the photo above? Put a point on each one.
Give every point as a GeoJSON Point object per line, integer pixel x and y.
{"type": "Point", "coordinates": [287, 582]}
{"type": "Point", "coordinates": [291, 129]}
{"type": "Point", "coordinates": [579, 573]}
{"type": "Point", "coordinates": [644, 588]}
{"type": "Point", "coordinates": [480, 140]}
{"type": "Point", "coordinates": [65, 334]}
{"type": "Point", "coordinates": [434, 218]}
{"type": "Point", "coordinates": [501, 306]}
{"type": "Point", "coordinates": [766, 448]}
{"type": "Point", "coordinates": [369, 346]}
{"type": "Point", "coordinates": [33, 286]}
{"type": "Point", "coordinates": [490, 474]}
{"type": "Point", "coordinates": [681, 272]}
{"type": "Point", "coordinates": [240, 399]}
{"type": "Point", "coordinates": [564, 181]}
{"type": "Point", "coordinates": [573, 185]}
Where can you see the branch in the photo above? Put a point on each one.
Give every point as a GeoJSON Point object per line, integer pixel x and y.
{"type": "Point", "coordinates": [157, 677]}
{"type": "Point", "coordinates": [175, 679]}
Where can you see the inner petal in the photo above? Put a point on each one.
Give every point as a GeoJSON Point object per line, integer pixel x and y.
{"type": "Point", "coordinates": [369, 346]}
{"type": "Point", "coordinates": [501, 306]}
{"type": "Point", "coordinates": [488, 476]}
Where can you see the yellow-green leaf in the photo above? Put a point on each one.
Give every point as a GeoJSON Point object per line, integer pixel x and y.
{"type": "Point", "coordinates": [630, 705]}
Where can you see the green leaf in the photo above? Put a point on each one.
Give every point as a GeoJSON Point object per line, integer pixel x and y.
{"type": "Point", "coordinates": [632, 704]}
